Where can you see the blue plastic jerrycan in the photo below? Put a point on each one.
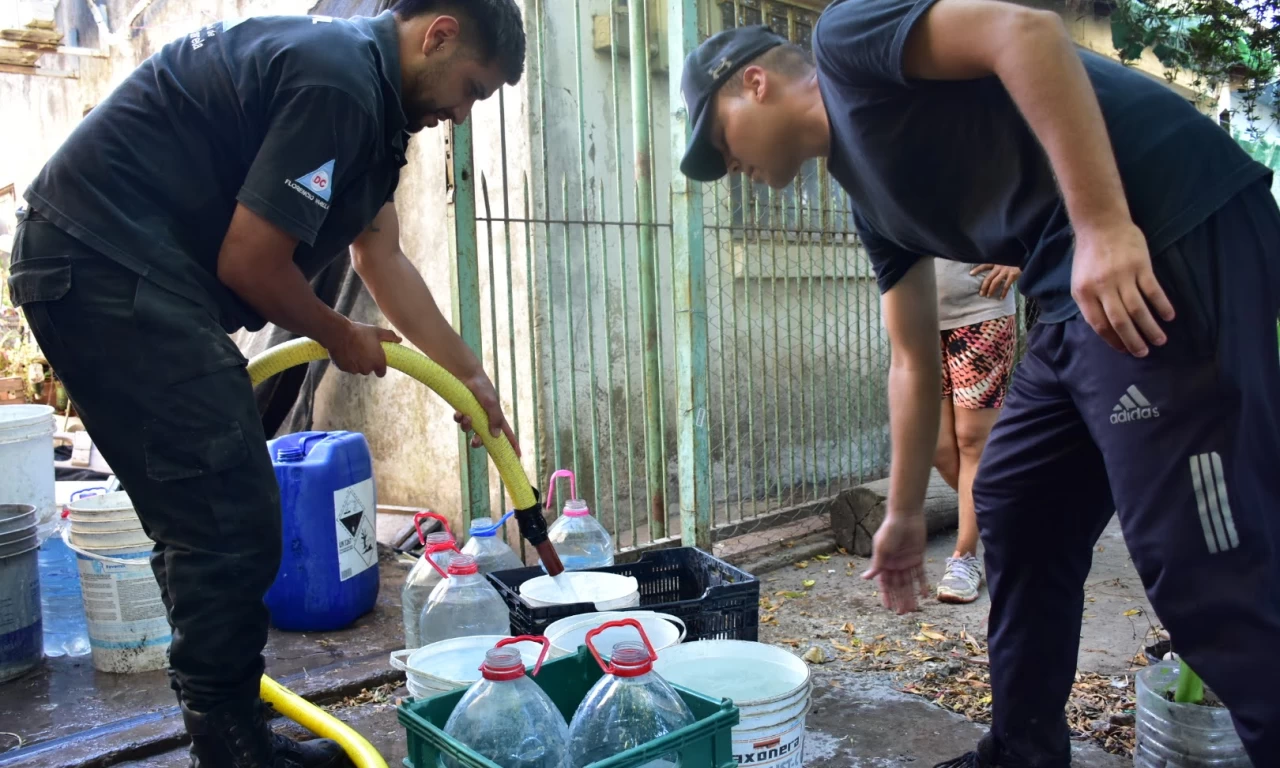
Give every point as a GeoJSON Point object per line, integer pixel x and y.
{"type": "Point", "coordinates": [328, 574]}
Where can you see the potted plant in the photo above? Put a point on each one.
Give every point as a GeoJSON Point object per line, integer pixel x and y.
{"type": "Point", "coordinates": [1182, 723]}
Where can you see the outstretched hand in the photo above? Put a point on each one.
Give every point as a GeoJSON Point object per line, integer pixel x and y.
{"type": "Point", "coordinates": [897, 561]}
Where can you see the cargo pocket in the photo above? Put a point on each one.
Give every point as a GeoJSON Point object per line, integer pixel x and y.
{"type": "Point", "coordinates": [179, 452]}
{"type": "Point", "coordinates": [34, 284]}
{"type": "Point", "coordinates": [47, 278]}
{"type": "Point", "coordinates": [183, 341]}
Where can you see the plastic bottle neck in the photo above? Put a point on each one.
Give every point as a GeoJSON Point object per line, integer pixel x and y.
{"type": "Point", "coordinates": [502, 665]}
{"type": "Point", "coordinates": [630, 660]}
{"type": "Point", "coordinates": [463, 565]}
{"type": "Point", "coordinates": [482, 530]}
{"type": "Point", "coordinates": [576, 508]}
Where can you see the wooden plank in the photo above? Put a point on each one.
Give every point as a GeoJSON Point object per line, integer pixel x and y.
{"type": "Point", "coordinates": [861, 510]}
{"type": "Point", "coordinates": [16, 57]}
{"type": "Point", "coordinates": [37, 37]}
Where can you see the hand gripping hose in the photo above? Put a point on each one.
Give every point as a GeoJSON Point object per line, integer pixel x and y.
{"type": "Point", "coordinates": [533, 526]}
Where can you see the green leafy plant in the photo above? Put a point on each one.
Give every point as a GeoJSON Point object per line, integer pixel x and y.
{"type": "Point", "coordinates": [1214, 41]}
{"type": "Point", "coordinates": [1190, 688]}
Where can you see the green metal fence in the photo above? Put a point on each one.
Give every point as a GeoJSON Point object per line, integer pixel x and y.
{"type": "Point", "coordinates": [708, 359]}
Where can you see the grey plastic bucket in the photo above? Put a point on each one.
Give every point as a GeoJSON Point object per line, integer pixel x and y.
{"type": "Point", "coordinates": [21, 628]}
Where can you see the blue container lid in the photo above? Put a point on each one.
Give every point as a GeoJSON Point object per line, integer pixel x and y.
{"type": "Point", "coordinates": [297, 446]}
{"type": "Point", "coordinates": [485, 529]}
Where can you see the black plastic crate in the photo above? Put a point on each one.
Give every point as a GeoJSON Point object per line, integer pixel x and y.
{"type": "Point", "coordinates": [715, 600]}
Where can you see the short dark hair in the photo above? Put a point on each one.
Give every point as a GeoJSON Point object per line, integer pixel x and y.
{"type": "Point", "coordinates": [493, 27]}
{"type": "Point", "coordinates": [790, 60]}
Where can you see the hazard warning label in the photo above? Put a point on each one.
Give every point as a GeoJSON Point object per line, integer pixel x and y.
{"type": "Point", "coordinates": [353, 510]}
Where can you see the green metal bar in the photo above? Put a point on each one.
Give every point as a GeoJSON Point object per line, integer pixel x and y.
{"type": "Point", "coordinates": [567, 302]}
{"type": "Point", "coordinates": [493, 312]}
{"type": "Point", "coordinates": [608, 361]}
{"type": "Point", "coordinates": [794, 447]}
{"type": "Point", "coordinates": [689, 276]}
{"type": "Point", "coordinates": [737, 369]}
{"type": "Point", "coordinates": [725, 339]}
{"type": "Point", "coordinates": [830, 420]}
{"type": "Point", "coordinates": [616, 77]}
{"type": "Point", "coordinates": [533, 352]}
{"type": "Point", "coordinates": [586, 253]}
{"type": "Point", "coordinates": [764, 361]}
{"type": "Point", "coordinates": [777, 349]}
{"type": "Point", "coordinates": [811, 276]}
{"type": "Point", "coordinates": [511, 298]}
{"type": "Point", "coordinates": [864, 317]}
{"type": "Point", "coordinates": [464, 275]}
{"type": "Point", "coordinates": [557, 459]}
{"type": "Point", "coordinates": [654, 470]}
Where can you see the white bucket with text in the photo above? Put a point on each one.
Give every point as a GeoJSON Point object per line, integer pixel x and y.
{"type": "Point", "coordinates": [770, 687]}
{"type": "Point", "coordinates": [128, 629]}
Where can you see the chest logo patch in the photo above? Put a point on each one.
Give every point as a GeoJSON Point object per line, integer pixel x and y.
{"type": "Point", "coordinates": [319, 181]}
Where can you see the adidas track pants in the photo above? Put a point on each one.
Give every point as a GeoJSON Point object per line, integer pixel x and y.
{"type": "Point", "coordinates": [1185, 446]}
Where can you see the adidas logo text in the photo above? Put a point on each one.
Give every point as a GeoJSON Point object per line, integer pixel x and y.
{"type": "Point", "coordinates": [1133, 407]}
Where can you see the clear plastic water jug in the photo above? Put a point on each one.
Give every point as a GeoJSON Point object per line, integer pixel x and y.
{"type": "Point", "coordinates": [507, 718]}
{"type": "Point", "coordinates": [630, 706]}
{"type": "Point", "coordinates": [462, 605]}
{"type": "Point", "coordinates": [66, 630]}
{"type": "Point", "coordinates": [490, 551]}
{"type": "Point", "coordinates": [426, 574]}
{"type": "Point", "coordinates": [580, 540]}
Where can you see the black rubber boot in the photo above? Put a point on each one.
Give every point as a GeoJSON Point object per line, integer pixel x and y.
{"type": "Point", "coordinates": [236, 735]}
{"type": "Point", "coordinates": [985, 756]}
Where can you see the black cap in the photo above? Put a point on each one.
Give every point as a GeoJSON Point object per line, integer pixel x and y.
{"type": "Point", "coordinates": [705, 70]}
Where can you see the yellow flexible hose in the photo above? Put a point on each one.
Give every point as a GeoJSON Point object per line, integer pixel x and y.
{"type": "Point", "coordinates": [456, 394]}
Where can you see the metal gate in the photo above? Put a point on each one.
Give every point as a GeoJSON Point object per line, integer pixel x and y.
{"type": "Point", "coordinates": [708, 359]}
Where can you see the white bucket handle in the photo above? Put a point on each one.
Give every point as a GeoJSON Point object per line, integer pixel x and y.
{"type": "Point", "coordinates": [136, 562]}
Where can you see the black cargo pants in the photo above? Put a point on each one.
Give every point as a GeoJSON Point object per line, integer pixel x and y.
{"type": "Point", "coordinates": [164, 392]}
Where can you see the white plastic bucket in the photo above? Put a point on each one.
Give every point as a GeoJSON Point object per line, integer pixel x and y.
{"type": "Point", "coordinates": [128, 629]}
{"type": "Point", "coordinates": [769, 686]}
{"type": "Point", "coordinates": [106, 522]}
{"type": "Point", "coordinates": [608, 591]}
{"type": "Point", "coordinates": [97, 541]}
{"type": "Point", "coordinates": [21, 630]}
{"type": "Point", "coordinates": [26, 454]}
{"type": "Point", "coordinates": [103, 506]}
{"type": "Point", "coordinates": [450, 664]}
{"type": "Point", "coordinates": [568, 634]}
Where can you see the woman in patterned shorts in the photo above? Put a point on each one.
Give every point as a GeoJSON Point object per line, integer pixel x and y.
{"type": "Point", "coordinates": [978, 317]}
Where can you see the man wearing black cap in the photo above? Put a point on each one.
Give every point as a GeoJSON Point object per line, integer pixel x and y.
{"type": "Point", "coordinates": [975, 131]}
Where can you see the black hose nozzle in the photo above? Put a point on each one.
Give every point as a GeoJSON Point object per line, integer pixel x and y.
{"type": "Point", "coordinates": [533, 527]}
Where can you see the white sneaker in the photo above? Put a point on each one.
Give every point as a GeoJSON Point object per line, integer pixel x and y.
{"type": "Point", "coordinates": [962, 580]}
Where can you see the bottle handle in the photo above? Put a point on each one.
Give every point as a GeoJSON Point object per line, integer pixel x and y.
{"type": "Point", "coordinates": [609, 668]}
{"type": "Point", "coordinates": [544, 642]}
{"type": "Point", "coordinates": [440, 548]}
{"type": "Point", "coordinates": [417, 518]}
{"type": "Point", "coordinates": [551, 485]}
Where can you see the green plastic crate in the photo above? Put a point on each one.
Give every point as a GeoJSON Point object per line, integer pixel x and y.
{"type": "Point", "coordinates": [708, 743]}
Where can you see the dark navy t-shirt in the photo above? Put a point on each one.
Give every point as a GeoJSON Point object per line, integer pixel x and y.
{"type": "Point", "coordinates": [298, 118]}
{"type": "Point", "coordinates": [952, 170]}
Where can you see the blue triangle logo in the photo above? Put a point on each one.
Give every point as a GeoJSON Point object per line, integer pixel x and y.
{"type": "Point", "coordinates": [319, 181]}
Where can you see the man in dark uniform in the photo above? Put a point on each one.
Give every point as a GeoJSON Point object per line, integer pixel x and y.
{"type": "Point", "coordinates": [198, 199]}
{"type": "Point", "coordinates": [974, 130]}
